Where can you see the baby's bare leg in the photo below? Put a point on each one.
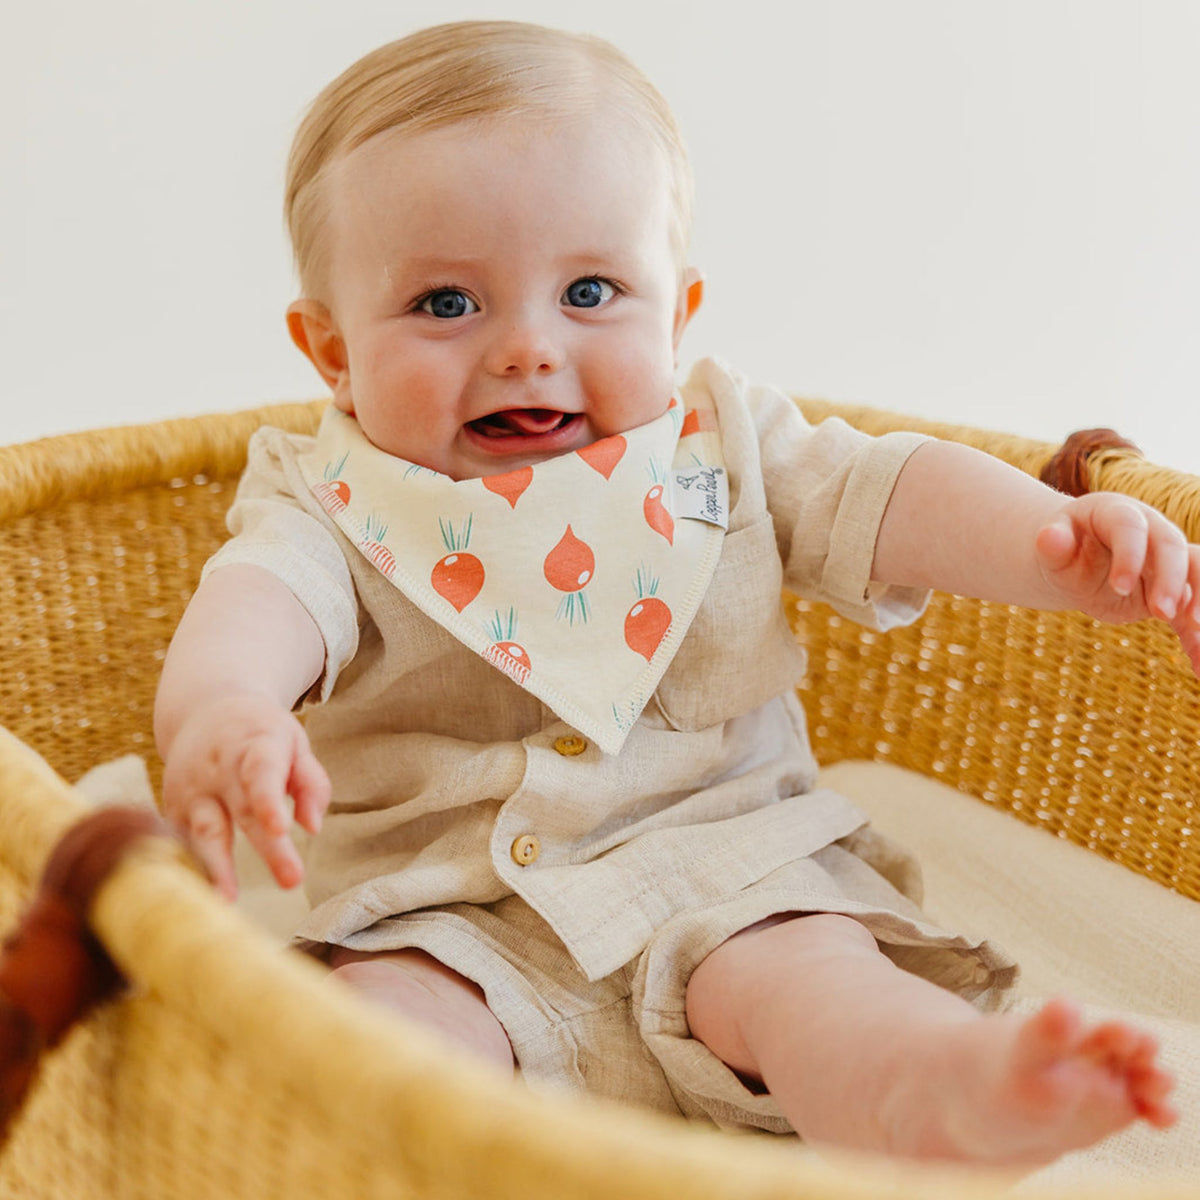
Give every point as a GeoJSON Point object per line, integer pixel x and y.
{"type": "Point", "coordinates": [860, 1054]}
{"type": "Point", "coordinates": [421, 987]}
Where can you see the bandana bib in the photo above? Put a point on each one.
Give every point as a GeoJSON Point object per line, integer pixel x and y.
{"type": "Point", "coordinates": [577, 577]}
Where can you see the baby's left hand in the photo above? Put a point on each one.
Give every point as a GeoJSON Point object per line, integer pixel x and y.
{"type": "Point", "coordinates": [1117, 559]}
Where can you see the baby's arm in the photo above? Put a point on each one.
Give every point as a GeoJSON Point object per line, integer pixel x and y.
{"type": "Point", "coordinates": [962, 521]}
{"type": "Point", "coordinates": [244, 652]}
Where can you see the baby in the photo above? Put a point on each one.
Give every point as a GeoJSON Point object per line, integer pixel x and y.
{"type": "Point", "coordinates": [529, 588]}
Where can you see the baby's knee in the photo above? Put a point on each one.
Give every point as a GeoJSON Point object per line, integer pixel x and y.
{"type": "Point", "coordinates": [829, 930]}
{"type": "Point", "coordinates": [430, 993]}
{"type": "Point", "coordinates": [767, 943]}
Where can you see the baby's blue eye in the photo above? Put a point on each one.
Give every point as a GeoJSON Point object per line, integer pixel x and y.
{"type": "Point", "coordinates": [448, 303]}
{"type": "Point", "coordinates": [588, 293]}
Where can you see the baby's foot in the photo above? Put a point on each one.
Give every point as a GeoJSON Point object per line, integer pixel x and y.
{"type": "Point", "coordinates": [1032, 1088]}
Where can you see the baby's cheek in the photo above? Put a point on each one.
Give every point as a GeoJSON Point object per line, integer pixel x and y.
{"type": "Point", "coordinates": [415, 374]}
{"type": "Point", "coordinates": [395, 402]}
{"type": "Point", "coordinates": [641, 382]}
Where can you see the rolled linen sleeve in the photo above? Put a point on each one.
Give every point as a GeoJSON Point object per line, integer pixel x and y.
{"type": "Point", "coordinates": [827, 487]}
{"type": "Point", "coordinates": [272, 530]}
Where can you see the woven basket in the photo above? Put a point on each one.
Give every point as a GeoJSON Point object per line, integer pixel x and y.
{"type": "Point", "coordinates": [234, 1070]}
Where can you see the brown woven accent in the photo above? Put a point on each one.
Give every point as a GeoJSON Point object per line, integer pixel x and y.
{"type": "Point", "coordinates": [87, 853]}
{"type": "Point", "coordinates": [53, 970]}
{"type": "Point", "coordinates": [238, 1072]}
{"type": "Point", "coordinates": [1068, 471]}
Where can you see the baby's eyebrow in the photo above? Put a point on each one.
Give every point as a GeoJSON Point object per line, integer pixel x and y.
{"type": "Point", "coordinates": [599, 254]}
{"type": "Point", "coordinates": [424, 264]}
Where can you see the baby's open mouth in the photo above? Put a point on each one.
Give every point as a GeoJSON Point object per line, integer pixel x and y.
{"type": "Point", "coordinates": [523, 422]}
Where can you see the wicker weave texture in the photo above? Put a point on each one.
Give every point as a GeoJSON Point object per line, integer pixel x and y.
{"type": "Point", "coordinates": [1085, 729]}
{"type": "Point", "coordinates": [1089, 731]}
{"type": "Point", "coordinates": [102, 537]}
{"type": "Point", "coordinates": [235, 1071]}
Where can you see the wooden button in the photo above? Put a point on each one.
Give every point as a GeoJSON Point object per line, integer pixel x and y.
{"type": "Point", "coordinates": [525, 850]}
{"type": "Point", "coordinates": [570, 745]}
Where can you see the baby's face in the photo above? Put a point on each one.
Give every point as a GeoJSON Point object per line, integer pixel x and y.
{"type": "Point", "coordinates": [503, 292]}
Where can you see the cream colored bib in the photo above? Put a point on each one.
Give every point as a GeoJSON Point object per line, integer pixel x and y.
{"type": "Point", "coordinates": [577, 577]}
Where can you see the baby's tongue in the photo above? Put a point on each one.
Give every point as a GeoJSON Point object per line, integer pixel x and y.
{"type": "Point", "coordinates": [527, 421]}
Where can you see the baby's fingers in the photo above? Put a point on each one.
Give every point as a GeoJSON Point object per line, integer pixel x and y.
{"type": "Point", "coordinates": [1192, 613]}
{"type": "Point", "coordinates": [1186, 622]}
{"type": "Point", "coordinates": [209, 833]}
{"type": "Point", "coordinates": [309, 786]}
{"type": "Point", "coordinates": [261, 807]}
{"type": "Point", "coordinates": [1056, 544]}
{"type": "Point", "coordinates": [1123, 527]}
{"type": "Point", "coordinates": [279, 853]}
{"type": "Point", "coordinates": [1170, 568]}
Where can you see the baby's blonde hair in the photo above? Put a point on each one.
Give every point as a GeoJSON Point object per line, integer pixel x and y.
{"type": "Point", "coordinates": [464, 71]}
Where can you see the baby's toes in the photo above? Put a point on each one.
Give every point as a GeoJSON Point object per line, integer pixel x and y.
{"type": "Point", "coordinates": [1116, 1046]}
{"type": "Point", "coordinates": [1050, 1034]}
{"type": "Point", "coordinates": [1149, 1089]}
{"type": "Point", "coordinates": [1145, 1055]}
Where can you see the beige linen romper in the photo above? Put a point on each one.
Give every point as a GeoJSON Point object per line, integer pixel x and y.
{"type": "Point", "coordinates": [580, 889]}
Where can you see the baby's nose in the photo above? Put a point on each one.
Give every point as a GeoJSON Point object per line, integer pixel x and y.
{"type": "Point", "coordinates": [525, 348]}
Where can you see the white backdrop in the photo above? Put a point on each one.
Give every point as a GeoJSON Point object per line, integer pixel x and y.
{"type": "Point", "coordinates": [974, 210]}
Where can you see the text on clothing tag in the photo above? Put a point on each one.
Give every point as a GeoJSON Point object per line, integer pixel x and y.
{"type": "Point", "coordinates": [701, 494]}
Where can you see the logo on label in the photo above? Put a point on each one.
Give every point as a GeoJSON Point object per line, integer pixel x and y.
{"type": "Point", "coordinates": [702, 494]}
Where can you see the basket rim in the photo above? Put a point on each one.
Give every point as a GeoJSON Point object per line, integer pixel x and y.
{"type": "Point", "coordinates": [187, 950]}
{"type": "Point", "coordinates": [75, 466]}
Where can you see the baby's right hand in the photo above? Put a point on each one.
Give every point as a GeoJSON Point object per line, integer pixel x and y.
{"type": "Point", "coordinates": [235, 760]}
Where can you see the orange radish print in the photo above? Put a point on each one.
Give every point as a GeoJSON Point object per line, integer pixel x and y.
{"type": "Point", "coordinates": [334, 493]}
{"type": "Point", "coordinates": [375, 550]}
{"type": "Point", "coordinates": [604, 455]}
{"type": "Point", "coordinates": [459, 576]}
{"type": "Point", "coordinates": [510, 485]}
{"type": "Point", "coordinates": [511, 657]}
{"type": "Point", "coordinates": [657, 517]}
{"type": "Point", "coordinates": [646, 624]}
{"type": "Point", "coordinates": [382, 557]}
{"type": "Point", "coordinates": [569, 567]}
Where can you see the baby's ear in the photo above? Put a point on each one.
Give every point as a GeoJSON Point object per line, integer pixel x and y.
{"type": "Point", "coordinates": [315, 332]}
{"type": "Point", "coordinates": [691, 294]}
